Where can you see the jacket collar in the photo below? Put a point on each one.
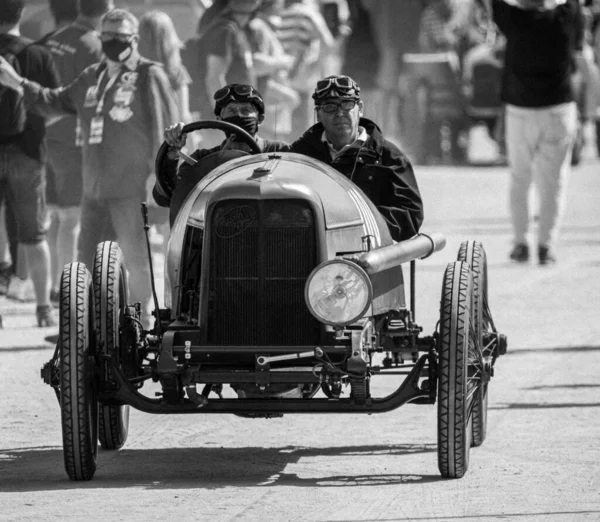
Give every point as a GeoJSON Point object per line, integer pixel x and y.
{"type": "Point", "coordinates": [373, 144]}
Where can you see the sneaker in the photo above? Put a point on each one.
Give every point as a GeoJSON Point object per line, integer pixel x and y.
{"type": "Point", "coordinates": [46, 316]}
{"type": "Point", "coordinates": [520, 253]}
{"type": "Point", "coordinates": [545, 255]}
{"type": "Point", "coordinates": [21, 290]}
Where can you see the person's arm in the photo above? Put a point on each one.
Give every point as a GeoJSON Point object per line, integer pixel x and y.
{"type": "Point", "coordinates": [216, 67]}
{"type": "Point", "coordinates": [402, 205]}
{"type": "Point", "coordinates": [218, 59]}
{"type": "Point", "coordinates": [183, 96]}
{"type": "Point", "coordinates": [161, 103]}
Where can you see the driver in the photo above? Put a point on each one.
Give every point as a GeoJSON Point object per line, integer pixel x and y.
{"type": "Point", "coordinates": [236, 103]}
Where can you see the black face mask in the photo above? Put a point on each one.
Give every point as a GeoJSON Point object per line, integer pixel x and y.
{"type": "Point", "coordinates": [248, 123]}
{"type": "Point", "coordinates": [117, 50]}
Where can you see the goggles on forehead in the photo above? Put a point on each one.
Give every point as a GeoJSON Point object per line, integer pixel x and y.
{"type": "Point", "coordinates": [345, 85]}
{"type": "Point", "coordinates": [238, 92]}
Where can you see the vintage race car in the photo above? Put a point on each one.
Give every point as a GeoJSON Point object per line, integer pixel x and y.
{"type": "Point", "coordinates": [281, 281]}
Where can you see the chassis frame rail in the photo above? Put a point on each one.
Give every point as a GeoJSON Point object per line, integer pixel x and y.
{"type": "Point", "coordinates": [408, 391]}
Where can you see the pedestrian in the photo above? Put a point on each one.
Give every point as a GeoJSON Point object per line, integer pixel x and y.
{"type": "Point", "coordinates": [74, 45]}
{"type": "Point", "coordinates": [123, 103]}
{"type": "Point", "coordinates": [22, 156]}
{"type": "Point", "coordinates": [220, 54]}
{"type": "Point", "coordinates": [355, 147]}
{"type": "Point", "coordinates": [542, 37]}
{"type": "Point", "coordinates": [272, 65]}
{"type": "Point", "coordinates": [159, 42]}
{"type": "Point", "coordinates": [238, 104]}
{"type": "Point", "coordinates": [304, 34]}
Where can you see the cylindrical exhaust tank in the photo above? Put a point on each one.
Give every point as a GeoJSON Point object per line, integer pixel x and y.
{"type": "Point", "coordinates": [417, 247]}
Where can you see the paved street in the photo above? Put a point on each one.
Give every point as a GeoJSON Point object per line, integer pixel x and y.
{"type": "Point", "coordinates": [540, 461]}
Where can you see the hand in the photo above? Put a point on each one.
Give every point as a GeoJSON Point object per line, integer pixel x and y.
{"type": "Point", "coordinates": [175, 138]}
{"type": "Point", "coordinates": [8, 76]}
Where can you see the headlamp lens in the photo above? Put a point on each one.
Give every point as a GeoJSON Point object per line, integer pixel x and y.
{"type": "Point", "coordinates": [338, 292]}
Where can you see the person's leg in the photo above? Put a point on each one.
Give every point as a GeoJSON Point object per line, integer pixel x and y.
{"type": "Point", "coordinates": [94, 220]}
{"type": "Point", "coordinates": [28, 190]}
{"type": "Point", "coordinates": [66, 240]}
{"type": "Point", "coordinates": [520, 144]}
{"type": "Point", "coordinates": [126, 218]}
{"type": "Point", "coordinates": [54, 221]}
{"type": "Point", "coordinates": [554, 167]}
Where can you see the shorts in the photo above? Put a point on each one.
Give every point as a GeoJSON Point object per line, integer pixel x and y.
{"type": "Point", "coordinates": [23, 182]}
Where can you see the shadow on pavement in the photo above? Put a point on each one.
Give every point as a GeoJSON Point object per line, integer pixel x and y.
{"type": "Point", "coordinates": [41, 469]}
{"type": "Point", "coordinates": [571, 386]}
{"type": "Point", "coordinates": [544, 406]}
{"type": "Point", "coordinates": [500, 516]}
{"type": "Point", "coordinates": [556, 349]}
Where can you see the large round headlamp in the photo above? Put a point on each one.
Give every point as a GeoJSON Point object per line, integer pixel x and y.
{"type": "Point", "coordinates": [338, 292]}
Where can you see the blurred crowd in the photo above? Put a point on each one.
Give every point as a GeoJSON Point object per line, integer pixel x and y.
{"type": "Point", "coordinates": [282, 47]}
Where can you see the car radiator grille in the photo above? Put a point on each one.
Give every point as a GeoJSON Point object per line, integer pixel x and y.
{"type": "Point", "coordinates": [261, 253]}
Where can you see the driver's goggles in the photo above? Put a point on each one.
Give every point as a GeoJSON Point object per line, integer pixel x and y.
{"type": "Point", "coordinates": [344, 85]}
{"type": "Point", "coordinates": [239, 92]}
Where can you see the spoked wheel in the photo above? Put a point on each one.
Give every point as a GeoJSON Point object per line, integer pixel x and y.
{"type": "Point", "coordinates": [473, 253]}
{"type": "Point", "coordinates": [456, 385]}
{"type": "Point", "coordinates": [111, 292]}
{"type": "Point", "coordinates": [79, 406]}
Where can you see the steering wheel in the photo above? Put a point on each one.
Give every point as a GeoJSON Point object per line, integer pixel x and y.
{"type": "Point", "coordinates": [168, 186]}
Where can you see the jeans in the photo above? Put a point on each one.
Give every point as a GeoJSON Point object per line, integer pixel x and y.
{"type": "Point", "coordinates": [98, 219]}
{"type": "Point", "coordinates": [539, 143]}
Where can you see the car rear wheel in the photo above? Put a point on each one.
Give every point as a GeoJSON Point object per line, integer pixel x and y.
{"type": "Point", "coordinates": [79, 406]}
{"type": "Point", "coordinates": [111, 292]}
{"type": "Point", "coordinates": [455, 387]}
{"type": "Point", "coordinates": [473, 253]}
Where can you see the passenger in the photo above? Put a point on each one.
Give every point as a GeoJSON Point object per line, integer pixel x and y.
{"type": "Point", "coordinates": [355, 147]}
{"type": "Point", "coordinates": [239, 104]}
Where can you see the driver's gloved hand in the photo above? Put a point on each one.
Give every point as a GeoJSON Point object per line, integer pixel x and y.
{"type": "Point", "coordinates": [175, 138]}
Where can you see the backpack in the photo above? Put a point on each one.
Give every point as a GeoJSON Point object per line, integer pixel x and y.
{"type": "Point", "coordinates": [12, 104]}
{"type": "Point", "coordinates": [193, 58]}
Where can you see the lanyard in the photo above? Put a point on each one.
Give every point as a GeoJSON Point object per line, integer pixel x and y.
{"type": "Point", "coordinates": [108, 86]}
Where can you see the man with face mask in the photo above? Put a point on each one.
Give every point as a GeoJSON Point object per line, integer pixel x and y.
{"type": "Point", "coordinates": [239, 104]}
{"type": "Point", "coordinates": [123, 103]}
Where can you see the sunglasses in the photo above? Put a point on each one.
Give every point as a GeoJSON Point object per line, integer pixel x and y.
{"type": "Point", "coordinates": [246, 92]}
{"type": "Point", "coordinates": [343, 84]}
{"type": "Point", "coordinates": [331, 108]}
{"type": "Point", "coordinates": [123, 37]}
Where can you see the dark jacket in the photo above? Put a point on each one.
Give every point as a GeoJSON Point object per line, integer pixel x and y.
{"type": "Point", "coordinates": [172, 174]}
{"type": "Point", "coordinates": [381, 171]}
{"type": "Point", "coordinates": [540, 52]}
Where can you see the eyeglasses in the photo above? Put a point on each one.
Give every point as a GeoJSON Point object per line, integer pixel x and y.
{"type": "Point", "coordinates": [331, 108]}
{"type": "Point", "coordinates": [246, 92]}
{"type": "Point", "coordinates": [123, 37]}
{"type": "Point", "coordinates": [343, 84]}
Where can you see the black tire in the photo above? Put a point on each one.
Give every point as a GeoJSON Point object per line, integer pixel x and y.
{"type": "Point", "coordinates": [79, 407]}
{"type": "Point", "coordinates": [473, 253]}
{"type": "Point", "coordinates": [454, 385]}
{"type": "Point", "coordinates": [111, 292]}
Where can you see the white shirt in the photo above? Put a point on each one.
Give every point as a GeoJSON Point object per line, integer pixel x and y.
{"type": "Point", "coordinates": [361, 138]}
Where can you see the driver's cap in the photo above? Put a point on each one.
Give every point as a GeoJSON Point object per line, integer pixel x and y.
{"type": "Point", "coordinates": [239, 92]}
